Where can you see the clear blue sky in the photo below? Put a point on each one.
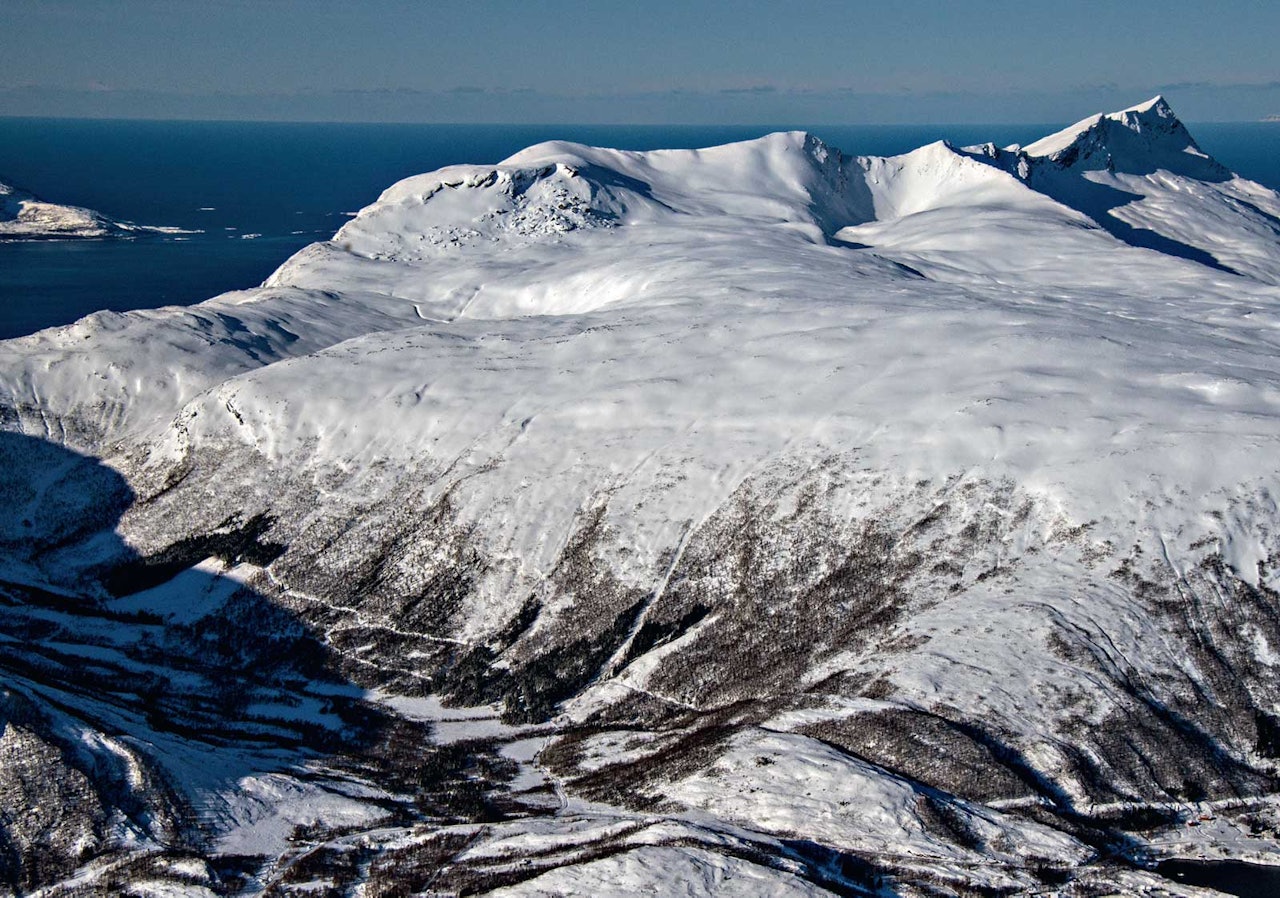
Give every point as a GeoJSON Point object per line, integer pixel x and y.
{"type": "Point", "coordinates": [652, 61]}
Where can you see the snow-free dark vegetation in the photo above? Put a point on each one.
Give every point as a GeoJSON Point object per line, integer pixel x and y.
{"type": "Point", "coordinates": [755, 520]}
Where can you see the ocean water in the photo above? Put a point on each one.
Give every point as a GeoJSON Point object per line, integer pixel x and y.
{"type": "Point", "coordinates": [257, 192]}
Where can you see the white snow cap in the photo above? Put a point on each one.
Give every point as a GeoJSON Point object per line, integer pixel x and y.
{"type": "Point", "coordinates": [1141, 138]}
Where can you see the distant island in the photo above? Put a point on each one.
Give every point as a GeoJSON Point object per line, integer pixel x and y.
{"type": "Point", "coordinates": [25, 216]}
{"type": "Point", "coordinates": [1271, 118]}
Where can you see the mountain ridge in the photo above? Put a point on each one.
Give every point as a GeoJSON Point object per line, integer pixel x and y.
{"type": "Point", "coordinates": [846, 524]}
{"type": "Point", "coordinates": [1164, 141]}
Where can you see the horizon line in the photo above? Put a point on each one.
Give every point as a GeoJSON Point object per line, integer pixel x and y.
{"type": "Point", "coordinates": [1266, 120]}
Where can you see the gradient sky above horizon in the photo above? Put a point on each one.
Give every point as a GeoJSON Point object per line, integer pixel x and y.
{"type": "Point", "coordinates": [662, 61]}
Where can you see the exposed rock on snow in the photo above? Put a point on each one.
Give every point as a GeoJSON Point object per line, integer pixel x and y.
{"type": "Point", "coordinates": [1142, 139]}
{"type": "Point", "coordinates": [1141, 175]}
{"type": "Point", "coordinates": [754, 518]}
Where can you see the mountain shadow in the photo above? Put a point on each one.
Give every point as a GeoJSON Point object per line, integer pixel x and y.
{"type": "Point", "coordinates": [1098, 202]}
{"type": "Point", "coordinates": [140, 696]}
{"type": "Point", "coordinates": [1065, 182]}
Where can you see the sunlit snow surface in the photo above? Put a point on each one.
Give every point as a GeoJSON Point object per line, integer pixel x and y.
{"type": "Point", "coordinates": [24, 216]}
{"type": "Point", "coordinates": [1048, 375]}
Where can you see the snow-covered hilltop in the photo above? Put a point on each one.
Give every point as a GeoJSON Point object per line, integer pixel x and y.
{"type": "Point", "coordinates": [24, 216]}
{"type": "Point", "coordinates": [756, 516]}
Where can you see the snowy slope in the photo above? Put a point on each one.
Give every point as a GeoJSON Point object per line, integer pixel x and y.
{"type": "Point", "coordinates": [1141, 175]}
{"type": "Point", "coordinates": [868, 523]}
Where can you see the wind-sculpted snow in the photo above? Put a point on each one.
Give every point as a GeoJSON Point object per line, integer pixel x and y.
{"type": "Point", "coordinates": [755, 517]}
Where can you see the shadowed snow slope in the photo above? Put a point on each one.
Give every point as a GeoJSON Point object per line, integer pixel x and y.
{"type": "Point", "coordinates": [1138, 140]}
{"type": "Point", "coordinates": [811, 522]}
{"type": "Point", "coordinates": [1141, 175]}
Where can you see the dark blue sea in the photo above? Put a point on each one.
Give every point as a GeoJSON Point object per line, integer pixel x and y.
{"type": "Point", "coordinates": [257, 192]}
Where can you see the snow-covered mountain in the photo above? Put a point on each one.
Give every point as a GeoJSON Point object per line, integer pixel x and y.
{"type": "Point", "coordinates": [24, 216]}
{"type": "Point", "coordinates": [754, 519]}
